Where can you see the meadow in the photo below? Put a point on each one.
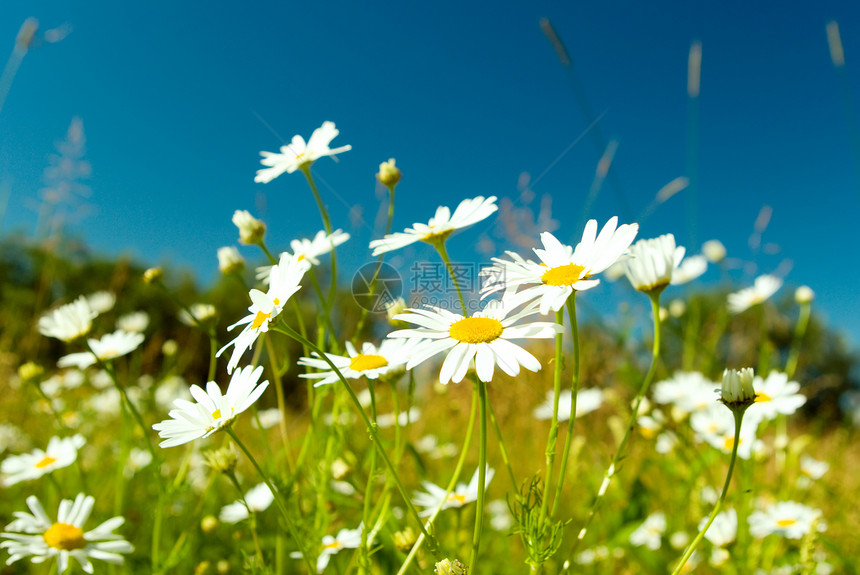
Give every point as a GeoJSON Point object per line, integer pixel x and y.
{"type": "Point", "coordinates": [280, 422]}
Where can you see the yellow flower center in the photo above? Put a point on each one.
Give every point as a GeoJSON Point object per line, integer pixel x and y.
{"type": "Point", "coordinates": [259, 319]}
{"type": "Point", "coordinates": [761, 397]}
{"type": "Point", "coordinates": [46, 461]}
{"type": "Point", "coordinates": [363, 362]}
{"type": "Point", "coordinates": [786, 522]}
{"type": "Point", "coordinates": [216, 414]}
{"type": "Point", "coordinates": [457, 498]}
{"type": "Point", "coordinates": [562, 275]}
{"type": "Point", "coordinates": [332, 545]}
{"type": "Point", "coordinates": [729, 442]}
{"type": "Point", "coordinates": [476, 329]}
{"type": "Point", "coordinates": [65, 536]}
{"type": "Point", "coordinates": [440, 236]}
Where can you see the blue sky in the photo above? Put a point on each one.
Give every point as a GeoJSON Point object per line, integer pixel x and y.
{"type": "Point", "coordinates": [177, 101]}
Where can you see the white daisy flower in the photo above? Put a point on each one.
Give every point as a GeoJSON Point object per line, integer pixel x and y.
{"type": "Point", "coordinates": [251, 230]}
{"type": "Point", "coordinates": [61, 452]}
{"type": "Point", "coordinates": [651, 531]}
{"type": "Point", "coordinates": [462, 494]}
{"type": "Point", "coordinates": [775, 395]}
{"type": "Point", "coordinates": [137, 460]}
{"type": "Point", "coordinates": [134, 322]}
{"type": "Point", "coordinates": [787, 518]}
{"type": "Point", "coordinates": [653, 262]}
{"type": "Point", "coordinates": [68, 322]}
{"type": "Point", "coordinates": [716, 426]}
{"type": "Point", "coordinates": [10, 437]}
{"type": "Point", "coordinates": [101, 301]}
{"type": "Point", "coordinates": [687, 392]}
{"type": "Point", "coordinates": [38, 537]}
{"type": "Point", "coordinates": [723, 530]}
{"type": "Point", "coordinates": [714, 250]}
{"type": "Point", "coordinates": [442, 225]}
{"type": "Point", "coordinates": [587, 400]}
{"type": "Point", "coordinates": [813, 468]}
{"type": "Point", "coordinates": [202, 312]}
{"type": "Point", "coordinates": [110, 346]}
{"type": "Point", "coordinates": [404, 418]}
{"type": "Point", "coordinates": [284, 282]}
{"type": "Point", "coordinates": [484, 337]}
{"type": "Point", "coordinates": [172, 388]}
{"type": "Point", "coordinates": [429, 445]}
{"type": "Point", "coordinates": [345, 539]}
{"type": "Point", "coordinates": [309, 250]}
{"type": "Point", "coordinates": [269, 418]}
{"type": "Point", "coordinates": [562, 269]}
{"type": "Point", "coordinates": [297, 154]}
{"type": "Point", "coordinates": [230, 260]}
{"type": "Point", "coordinates": [213, 411]}
{"type": "Point", "coordinates": [764, 287]}
{"type": "Point", "coordinates": [258, 498]}
{"type": "Point", "coordinates": [373, 362]}
{"type": "Point", "coordinates": [62, 381]}
{"type": "Point", "coordinates": [689, 269]}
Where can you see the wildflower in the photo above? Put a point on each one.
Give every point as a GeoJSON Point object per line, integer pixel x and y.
{"type": "Point", "coordinates": [687, 392]}
{"type": "Point", "coordinates": [230, 261]}
{"type": "Point", "coordinates": [393, 308]}
{"type": "Point", "coordinates": [10, 437]}
{"type": "Point", "coordinates": [737, 388]}
{"type": "Point", "coordinates": [716, 426]}
{"type": "Point", "coordinates": [60, 452]}
{"type": "Point", "coordinates": [68, 322]}
{"type": "Point", "coordinates": [212, 410]}
{"type": "Point", "coordinates": [269, 418]}
{"type": "Point", "coordinates": [404, 418]}
{"type": "Point", "coordinates": [587, 400]}
{"type": "Point", "coordinates": [448, 567]}
{"type": "Point", "coordinates": [484, 337]}
{"type": "Point", "coordinates": [283, 283]}
{"type": "Point", "coordinates": [653, 262]}
{"type": "Point", "coordinates": [500, 515]}
{"type": "Point", "coordinates": [259, 499]}
{"type": "Point", "coordinates": [775, 395]}
{"type": "Point", "coordinates": [442, 225]}
{"type": "Point", "coordinates": [787, 518]}
{"type": "Point", "coordinates": [373, 362]}
{"type": "Point", "coordinates": [153, 275]}
{"type": "Point", "coordinates": [209, 524]}
{"type": "Point", "coordinates": [101, 301]}
{"type": "Point", "coordinates": [110, 346]}
{"type": "Point", "coordinates": [723, 530]}
{"type": "Point", "coordinates": [30, 372]}
{"type": "Point", "coordinates": [389, 176]}
{"type": "Point", "coordinates": [689, 269]}
{"type": "Point", "coordinates": [35, 535]}
{"type": "Point", "coordinates": [562, 269]}
{"type": "Point", "coordinates": [764, 287]}
{"type": "Point", "coordinates": [251, 230]}
{"type": "Point", "coordinates": [813, 468]}
{"type": "Point", "coordinates": [429, 445]}
{"type": "Point", "coordinates": [137, 460]}
{"type": "Point", "coordinates": [650, 532]}
{"type": "Point", "coordinates": [714, 250]}
{"type": "Point", "coordinates": [222, 460]}
{"type": "Point", "coordinates": [804, 295]}
{"type": "Point", "coordinates": [462, 494]}
{"type": "Point", "coordinates": [202, 313]}
{"type": "Point", "coordinates": [134, 322]}
{"type": "Point", "coordinates": [345, 539]}
{"type": "Point", "coordinates": [310, 250]}
{"type": "Point", "coordinates": [298, 155]}
{"type": "Point", "coordinates": [405, 539]}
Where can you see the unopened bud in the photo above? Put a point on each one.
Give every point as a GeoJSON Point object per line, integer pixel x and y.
{"type": "Point", "coordinates": [230, 260]}
{"type": "Point", "coordinates": [394, 308]}
{"type": "Point", "coordinates": [737, 389]}
{"type": "Point", "coordinates": [804, 294]}
{"type": "Point", "coordinates": [388, 174]}
{"type": "Point", "coordinates": [404, 540]}
{"type": "Point", "coordinates": [221, 460]}
{"type": "Point", "coordinates": [223, 567]}
{"type": "Point", "coordinates": [153, 275]}
{"type": "Point", "coordinates": [251, 230]}
{"type": "Point", "coordinates": [30, 372]}
{"type": "Point", "coordinates": [209, 524]}
{"type": "Point", "coordinates": [714, 250]}
{"type": "Point", "coordinates": [447, 567]}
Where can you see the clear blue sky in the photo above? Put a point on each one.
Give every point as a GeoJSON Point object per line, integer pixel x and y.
{"type": "Point", "coordinates": [177, 99]}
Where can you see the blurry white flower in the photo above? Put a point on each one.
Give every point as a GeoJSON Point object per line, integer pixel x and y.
{"type": "Point", "coordinates": [258, 498]}
{"type": "Point", "coordinates": [101, 301]}
{"type": "Point", "coordinates": [775, 395]}
{"type": "Point", "coordinates": [804, 294]}
{"type": "Point", "coordinates": [500, 515]}
{"type": "Point", "coordinates": [345, 539]}
{"type": "Point", "coordinates": [269, 418]}
{"type": "Point", "coordinates": [787, 518]}
{"type": "Point", "coordinates": [714, 250]}
{"type": "Point", "coordinates": [723, 530]}
{"type": "Point", "coordinates": [230, 260]}
{"type": "Point", "coordinates": [61, 452]}
{"type": "Point", "coordinates": [137, 460]}
{"type": "Point", "coordinates": [764, 287]}
{"type": "Point", "coordinates": [690, 269]}
{"type": "Point", "coordinates": [202, 312]}
{"type": "Point", "coordinates": [587, 400]}
{"type": "Point", "coordinates": [653, 262]}
{"type": "Point", "coordinates": [813, 468]}
{"type": "Point", "coordinates": [677, 308]}
{"type": "Point", "coordinates": [686, 392]}
{"type": "Point", "coordinates": [68, 322]}
{"type": "Point", "coordinates": [404, 418]}
{"type": "Point", "coordinates": [134, 322]}
{"type": "Point", "coordinates": [442, 225]}
{"type": "Point", "coordinates": [101, 379]}
{"type": "Point", "coordinates": [298, 155]}
{"type": "Point", "coordinates": [10, 437]}
{"type": "Point", "coordinates": [716, 426]}
{"type": "Point", "coordinates": [373, 362]}
{"type": "Point", "coordinates": [38, 537]}
{"type": "Point", "coordinates": [212, 411]}
{"type": "Point", "coordinates": [170, 389]}
{"type": "Point", "coordinates": [251, 230]}
{"type": "Point", "coordinates": [429, 445]}
{"type": "Point", "coordinates": [388, 174]}
{"type": "Point", "coordinates": [62, 381]}
{"type": "Point", "coordinates": [679, 539]}
{"type": "Point", "coordinates": [393, 308]}
{"type": "Point", "coordinates": [343, 488]}
{"type": "Point", "coordinates": [169, 347]}
{"type": "Point", "coordinates": [110, 346]}
{"type": "Point", "coordinates": [650, 532]}
{"type": "Point", "coordinates": [462, 494]}
{"type": "Point", "coordinates": [562, 269]}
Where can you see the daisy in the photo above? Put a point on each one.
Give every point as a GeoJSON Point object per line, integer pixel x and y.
{"type": "Point", "coordinates": [716, 426]}
{"type": "Point", "coordinates": [562, 269]}
{"type": "Point", "coordinates": [787, 518]}
{"type": "Point", "coordinates": [202, 313]}
{"type": "Point", "coordinates": [687, 392]}
{"type": "Point", "coordinates": [134, 322]}
{"type": "Point", "coordinates": [723, 530]}
{"type": "Point", "coordinates": [62, 381]}
{"type": "Point", "coordinates": [68, 322]}
{"type": "Point", "coordinates": [813, 468]}
{"type": "Point", "coordinates": [213, 411]}
{"type": "Point", "coordinates": [484, 337]}
{"type": "Point", "coordinates": [442, 225]}
{"type": "Point", "coordinates": [764, 287]}
{"type": "Point", "coordinates": [298, 155]}
{"type": "Point", "coordinates": [404, 418]}
{"type": "Point", "coordinates": [284, 281]}
{"type": "Point", "coordinates": [689, 269]}
{"type": "Point", "coordinates": [269, 418]}
{"type": "Point", "coordinates": [345, 539]}
{"type": "Point", "coordinates": [438, 497]}
{"type": "Point", "coordinates": [61, 452]}
{"type": "Point", "coordinates": [101, 301]}
{"type": "Point", "coordinates": [258, 499]}
{"type": "Point", "coordinates": [37, 536]}
{"type": "Point", "coordinates": [587, 400]}
{"type": "Point", "coordinates": [251, 230]}
{"type": "Point", "coordinates": [309, 250]}
{"type": "Point", "coordinates": [373, 362]}
{"type": "Point", "coordinates": [110, 346]}
{"type": "Point", "coordinates": [230, 260]}
{"type": "Point", "coordinates": [775, 395]}
{"type": "Point", "coordinates": [389, 175]}
{"type": "Point", "coordinates": [651, 531]}
{"type": "Point", "coordinates": [653, 262]}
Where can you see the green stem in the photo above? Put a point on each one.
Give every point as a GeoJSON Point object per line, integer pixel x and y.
{"type": "Point", "coordinates": [553, 428]}
{"type": "Point", "coordinates": [281, 506]}
{"type": "Point", "coordinates": [251, 517]}
{"type": "Point", "coordinates": [364, 555]}
{"type": "Point", "coordinates": [443, 253]}
{"type": "Point", "coordinates": [306, 170]}
{"type": "Point", "coordinates": [282, 405]}
{"type": "Point", "coordinates": [646, 383]}
{"type": "Point", "coordinates": [371, 288]}
{"type": "Point", "coordinates": [799, 332]}
{"type": "Point", "coordinates": [482, 476]}
{"type": "Point", "coordinates": [764, 343]}
{"type": "Point", "coordinates": [574, 391]}
{"type": "Point", "coordinates": [692, 547]}
{"type": "Point", "coordinates": [502, 449]}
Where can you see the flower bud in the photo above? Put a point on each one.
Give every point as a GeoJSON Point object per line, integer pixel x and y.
{"type": "Point", "coordinates": [394, 308]}
{"type": "Point", "coordinates": [404, 540]}
{"type": "Point", "coordinates": [153, 275]}
{"type": "Point", "coordinates": [804, 294]}
{"type": "Point", "coordinates": [221, 460]}
{"type": "Point", "coordinates": [230, 261]}
{"type": "Point", "coordinates": [209, 524]}
{"type": "Point", "coordinates": [30, 372]}
{"type": "Point", "coordinates": [714, 250]}
{"type": "Point", "coordinates": [222, 567]}
{"type": "Point", "coordinates": [169, 347]}
{"type": "Point", "coordinates": [448, 567]}
{"type": "Point", "coordinates": [388, 174]}
{"type": "Point", "coordinates": [737, 389]}
{"type": "Point", "coordinates": [251, 230]}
